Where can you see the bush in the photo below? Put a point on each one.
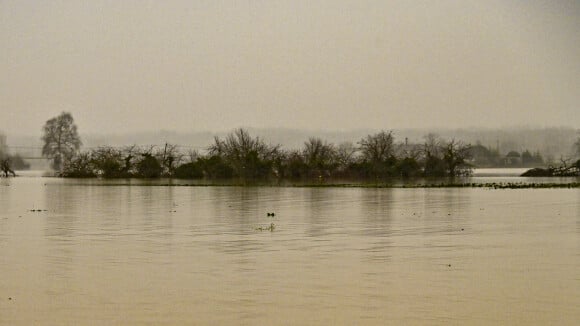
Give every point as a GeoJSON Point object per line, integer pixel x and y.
{"type": "Point", "coordinates": [149, 167]}
{"type": "Point", "coordinates": [408, 167]}
{"type": "Point", "coordinates": [215, 167]}
{"type": "Point", "coordinates": [191, 170]}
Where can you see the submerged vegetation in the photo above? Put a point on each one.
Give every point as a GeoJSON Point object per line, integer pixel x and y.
{"type": "Point", "coordinates": [243, 157]}
{"type": "Point", "coordinates": [564, 170]}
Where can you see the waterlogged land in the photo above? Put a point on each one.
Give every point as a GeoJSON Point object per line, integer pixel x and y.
{"type": "Point", "coordinates": [134, 252]}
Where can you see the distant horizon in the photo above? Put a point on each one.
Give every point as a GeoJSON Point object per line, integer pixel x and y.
{"type": "Point", "coordinates": [553, 141]}
{"type": "Point", "coordinates": [315, 130]}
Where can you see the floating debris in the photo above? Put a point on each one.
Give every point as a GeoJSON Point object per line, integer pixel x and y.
{"type": "Point", "coordinates": [270, 228]}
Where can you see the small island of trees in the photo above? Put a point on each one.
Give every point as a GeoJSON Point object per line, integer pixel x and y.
{"type": "Point", "coordinates": [240, 156]}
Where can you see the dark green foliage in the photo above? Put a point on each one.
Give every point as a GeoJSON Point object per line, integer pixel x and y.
{"type": "Point", "coordinates": [245, 158]}
{"type": "Point", "coordinates": [192, 170]}
{"type": "Point", "coordinates": [214, 167]}
{"type": "Point", "coordinates": [319, 157]}
{"type": "Point", "coordinates": [434, 167]}
{"type": "Point", "coordinates": [109, 162]}
{"type": "Point", "coordinates": [294, 166]}
{"type": "Point", "coordinates": [538, 172]}
{"type": "Point", "coordinates": [248, 157]}
{"type": "Point", "coordinates": [408, 167]}
{"type": "Point", "coordinates": [378, 155]}
{"type": "Point", "coordinates": [149, 167]}
{"type": "Point", "coordinates": [79, 167]}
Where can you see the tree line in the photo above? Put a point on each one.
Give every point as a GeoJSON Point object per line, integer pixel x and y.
{"type": "Point", "coordinates": [241, 156]}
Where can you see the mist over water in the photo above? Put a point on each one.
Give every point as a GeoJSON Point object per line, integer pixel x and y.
{"type": "Point", "coordinates": [130, 254]}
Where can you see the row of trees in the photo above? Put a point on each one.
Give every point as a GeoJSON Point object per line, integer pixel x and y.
{"type": "Point", "coordinates": [488, 157]}
{"type": "Point", "coordinates": [239, 155]}
{"type": "Point", "coordinates": [133, 161]}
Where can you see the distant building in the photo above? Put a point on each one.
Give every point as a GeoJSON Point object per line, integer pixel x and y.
{"type": "Point", "coordinates": [513, 158]}
{"type": "Point", "coordinates": [482, 156]}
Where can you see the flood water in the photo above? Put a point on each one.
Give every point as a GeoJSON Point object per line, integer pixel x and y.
{"type": "Point", "coordinates": [139, 254]}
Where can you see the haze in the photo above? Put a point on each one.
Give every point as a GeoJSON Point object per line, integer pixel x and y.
{"type": "Point", "coordinates": [128, 66]}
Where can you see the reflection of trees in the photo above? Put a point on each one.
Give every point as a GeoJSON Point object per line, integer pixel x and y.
{"type": "Point", "coordinates": [319, 221]}
{"type": "Point", "coordinates": [377, 208]}
{"type": "Point", "coordinates": [155, 206]}
{"type": "Point", "coordinates": [61, 228]}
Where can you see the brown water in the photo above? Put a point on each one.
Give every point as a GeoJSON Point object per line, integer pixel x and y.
{"type": "Point", "coordinates": [152, 255]}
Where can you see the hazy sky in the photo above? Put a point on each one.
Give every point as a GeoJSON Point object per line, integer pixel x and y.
{"type": "Point", "coordinates": [122, 66]}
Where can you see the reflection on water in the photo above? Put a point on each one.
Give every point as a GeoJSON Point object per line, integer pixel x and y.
{"type": "Point", "coordinates": [121, 254]}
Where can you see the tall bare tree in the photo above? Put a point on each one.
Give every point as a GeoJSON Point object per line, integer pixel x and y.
{"type": "Point", "coordinates": [248, 156]}
{"type": "Point", "coordinates": [377, 148]}
{"type": "Point", "coordinates": [455, 156]}
{"type": "Point", "coordinates": [345, 154]}
{"type": "Point", "coordinates": [318, 154]}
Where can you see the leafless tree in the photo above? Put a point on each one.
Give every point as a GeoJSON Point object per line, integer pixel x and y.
{"type": "Point", "coordinates": [377, 148]}
{"type": "Point", "coordinates": [318, 154]}
{"type": "Point", "coordinates": [246, 155]}
{"type": "Point", "coordinates": [169, 156]}
{"type": "Point", "coordinates": [455, 156]}
{"type": "Point", "coordinates": [432, 147]}
{"type": "Point", "coordinates": [193, 155]}
{"type": "Point", "coordinates": [345, 154]}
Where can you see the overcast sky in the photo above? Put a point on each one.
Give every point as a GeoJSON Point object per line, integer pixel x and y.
{"type": "Point", "coordinates": [123, 66]}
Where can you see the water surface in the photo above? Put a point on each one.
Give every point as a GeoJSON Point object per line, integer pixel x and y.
{"type": "Point", "coordinates": [99, 254]}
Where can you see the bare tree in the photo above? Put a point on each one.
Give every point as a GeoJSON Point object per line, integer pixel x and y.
{"type": "Point", "coordinates": [248, 156]}
{"type": "Point", "coordinates": [193, 155]}
{"type": "Point", "coordinates": [169, 157]}
{"type": "Point", "coordinates": [345, 154]}
{"type": "Point", "coordinates": [61, 139]}
{"type": "Point", "coordinates": [432, 146]}
{"type": "Point", "coordinates": [455, 156]}
{"type": "Point", "coordinates": [377, 148]}
{"type": "Point", "coordinates": [318, 155]}
{"type": "Point", "coordinates": [107, 161]}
